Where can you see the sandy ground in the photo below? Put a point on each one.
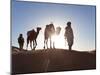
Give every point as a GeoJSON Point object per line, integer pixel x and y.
{"type": "Point", "coordinates": [51, 60]}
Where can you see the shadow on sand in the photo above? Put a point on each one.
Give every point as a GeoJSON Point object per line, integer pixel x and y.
{"type": "Point", "coordinates": [51, 60]}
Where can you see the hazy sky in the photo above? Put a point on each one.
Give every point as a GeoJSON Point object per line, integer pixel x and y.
{"type": "Point", "coordinates": [29, 15]}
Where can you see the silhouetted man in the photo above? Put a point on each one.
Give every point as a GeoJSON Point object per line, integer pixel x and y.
{"type": "Point", "coordinates": [21, 41]}
{"type": "Point", "coordinates": [69, 35]}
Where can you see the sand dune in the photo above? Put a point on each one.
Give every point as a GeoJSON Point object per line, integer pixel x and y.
{"type": "Point", "coordinates": [51, 60]}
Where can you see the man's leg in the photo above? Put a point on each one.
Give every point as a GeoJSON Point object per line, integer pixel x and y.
{"type": "Point", "coordinates": [22, 45]}
{"type": "Point", "coordinates": [70, 48]}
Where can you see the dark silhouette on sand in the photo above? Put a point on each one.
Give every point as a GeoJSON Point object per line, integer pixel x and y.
{"type": "Point", "coordinates": [21, 41]}
{"type": "Point", "coordinates": [69, 35]}
{"type": "Point", "coordinates": [32, 36]}
{"type": "Point", "coordinates": [49, 31]}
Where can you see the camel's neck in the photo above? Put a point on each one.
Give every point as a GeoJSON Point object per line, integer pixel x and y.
{"type": "Point", "coordinates": [37, 33]}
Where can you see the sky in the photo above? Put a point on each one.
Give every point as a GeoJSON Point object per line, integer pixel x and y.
{"type": "Point", "coordinates": [30, 15]}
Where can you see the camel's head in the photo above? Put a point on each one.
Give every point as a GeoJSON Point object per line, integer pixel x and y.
{"type": "Point", "coordinates": [58, 29]}
{"type": "Point", "coordinates": [47, 26]}
{"type": "Point", "coordinates": [39, 28]}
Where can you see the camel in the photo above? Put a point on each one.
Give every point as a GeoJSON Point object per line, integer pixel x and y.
{"type": "Point", "coordinates": [48, 33]}
{"type": "Point", "coordinates": [31, 37]}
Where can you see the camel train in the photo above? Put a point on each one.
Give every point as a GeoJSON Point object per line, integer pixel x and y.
{"type": "Point", "coordinates": [48, 33]}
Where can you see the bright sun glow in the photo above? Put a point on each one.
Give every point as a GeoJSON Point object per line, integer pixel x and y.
{"type": "Point", "coordinates": [59, 40]}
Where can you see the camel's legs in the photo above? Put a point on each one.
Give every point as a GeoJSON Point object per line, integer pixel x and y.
{"type": "Point", "coordinates": [34, 44]}
{"type": "Point", "coordinates": [31, 44]}
{"type": "Point", "coordinates": [27, 43]}
{"type": "Point", "coordinates": [44, 44]}
{"type": "Point", "coordinates": [50, 43]}
{"type": "Point", "coordinates": [53, 44]}
{"type": "Point", "coordinates": [47, 43]}
{"type": "Point", "coordinates": [27, 46]}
